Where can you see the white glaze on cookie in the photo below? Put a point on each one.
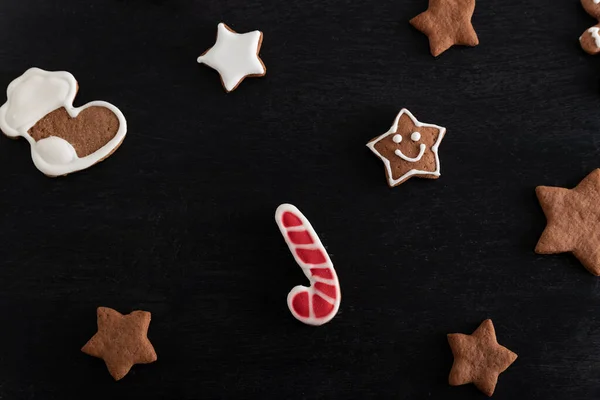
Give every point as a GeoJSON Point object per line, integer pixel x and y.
{"type": "Point", "coordinates": [397, 152]}
{"type": "Point", "coordinates": [400, 154]}
{"type": "Point", "coordinates": [234, 56]}
{"type": "Point", "coordinates": [35, 94]}
{"type": "Point", "coordinates": [595, 32]}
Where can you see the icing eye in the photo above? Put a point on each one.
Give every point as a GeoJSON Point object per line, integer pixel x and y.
{"type": "Point", "coordinates": [397, 138]}
{"type": "Point", "coordinates": [415, 136]}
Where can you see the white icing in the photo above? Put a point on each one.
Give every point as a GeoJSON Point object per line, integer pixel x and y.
{"type": "Point", "coordinates": [434, 148]}
{"type": "Point", "coordinates": [55, 150]}
{"type": "Point", "coordinates": [415, 136]}
{"type": "Point", "coordinates": [234, 56]}
{"type": "Point", "coordinates": [37, 93]}
{"type": "Point", "coordinates": [594, 31]}
{"type": "Point", "coordinates": [422, 148]}
{"type": "Point", "coordinates": [397, 138]}
{"type": "Point", "coordinates": [312, 319]}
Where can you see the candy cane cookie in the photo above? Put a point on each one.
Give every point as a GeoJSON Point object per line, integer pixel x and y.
{"type": "Point", "coordinates": [317, 304]}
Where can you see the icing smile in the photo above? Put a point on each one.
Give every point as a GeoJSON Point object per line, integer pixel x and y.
{"type": "Point", "coordinates": [422, 147]}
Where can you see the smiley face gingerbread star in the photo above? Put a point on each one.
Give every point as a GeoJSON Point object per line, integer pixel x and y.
{"type": "Point", "coordinates": [409, 148]}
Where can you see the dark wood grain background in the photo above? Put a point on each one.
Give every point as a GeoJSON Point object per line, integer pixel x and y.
{"type": "Point", "coordinates": [179, 221]}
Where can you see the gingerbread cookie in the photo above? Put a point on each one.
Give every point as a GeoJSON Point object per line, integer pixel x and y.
{"type": "Point", "coordinates": [590, 40]}
{"type": "Point", "coordinates": [317, 304]}
{"type": "Point", "coordinates": [447, 23]}
{"type": "Point", "coordinates": [235, 56]}
{"type": "Point", "coordinates": [572, 216]}
{"type": "Point", "coordinates": [409, 148]}
{"type": "Point", "coordinates": [478, 358]}
{"type": "Point", "coordinates": [63, 138]}
{"type": "Point", "coordinates": [121, 341]}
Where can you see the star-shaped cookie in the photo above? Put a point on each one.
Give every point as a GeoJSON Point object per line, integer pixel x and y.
{"type": "Point", "coordinates": [573, 221]}
{"type": "Point", "coordinates": [234, 56]}
{"type": "Point", "coordinates": [409, 148]}
{"type": "Point", "coordinates": [121, 341]}
{"type": "Point", "coordinates": [478, 358]}
{"type": "Point", "coordinates": [446, 23]}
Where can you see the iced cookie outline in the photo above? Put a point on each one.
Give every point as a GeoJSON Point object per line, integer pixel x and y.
{"type": "Point", "coordinates": [37, 93]}
{"type": "Point", "coordinates": [235, 56]}
{"type": "Point", "coordinates": [413, 172]}
{"type": "Point", "coordinates": [319, 303]}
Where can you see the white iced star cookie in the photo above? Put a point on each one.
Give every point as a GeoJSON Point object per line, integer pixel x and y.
{"type": "Point", "coordinates": [235, 56]}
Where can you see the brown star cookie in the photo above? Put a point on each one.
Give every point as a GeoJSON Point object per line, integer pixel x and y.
{"type": "Point", "coordinates": [573, 216]}
{"type": "Point", "coordinates": [478, 358]}
{"type": "Point", "coordinates": [121, 341]}
{"type": "Point", "coordinates": [409, 148]}
{"type": "Point", "coordinates": [590, 39]}
{"type": "Point", "coordinates": [446, 23]}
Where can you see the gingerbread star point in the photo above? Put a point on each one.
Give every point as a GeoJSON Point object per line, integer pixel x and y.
{"type": "Point", "coordinates": [409, 148]}
{"type": "Point", "coordinates": [121, 341]}
{"type": "Point", "coordinates": [478, 358]}
{"type": "Point", "coordinates": [572, 221]}
{"type": "Point", "coordinates": [447, 23]}
{"type": "Point", "coordinates": [552, 240]}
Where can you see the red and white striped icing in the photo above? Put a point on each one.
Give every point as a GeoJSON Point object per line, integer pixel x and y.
{"type": "Point", "coordinates": [317, 304]}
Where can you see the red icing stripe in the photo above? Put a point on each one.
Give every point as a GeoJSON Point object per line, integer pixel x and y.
{"type": "Point", "coordinates": [300, 304]}
{"type": "Point", "coordinates": [311, 256]}
{"type": "Point", "coordinates": [324, 273]}
{"type": "Point", "coordinates": [300, 237]}
{"type": "Point", "coordinates": [321, 307]}
{"type": "Point", "coordinates": [329, 290]}
{"type": "Point", "coordinates": [290, 219]}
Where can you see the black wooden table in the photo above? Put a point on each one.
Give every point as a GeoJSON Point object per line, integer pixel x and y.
{"type": "Point", "coordinates": [179, 221]}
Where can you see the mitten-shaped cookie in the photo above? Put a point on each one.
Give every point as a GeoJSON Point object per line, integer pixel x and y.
{"type": "Point", "coordinates": [63, 138]}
